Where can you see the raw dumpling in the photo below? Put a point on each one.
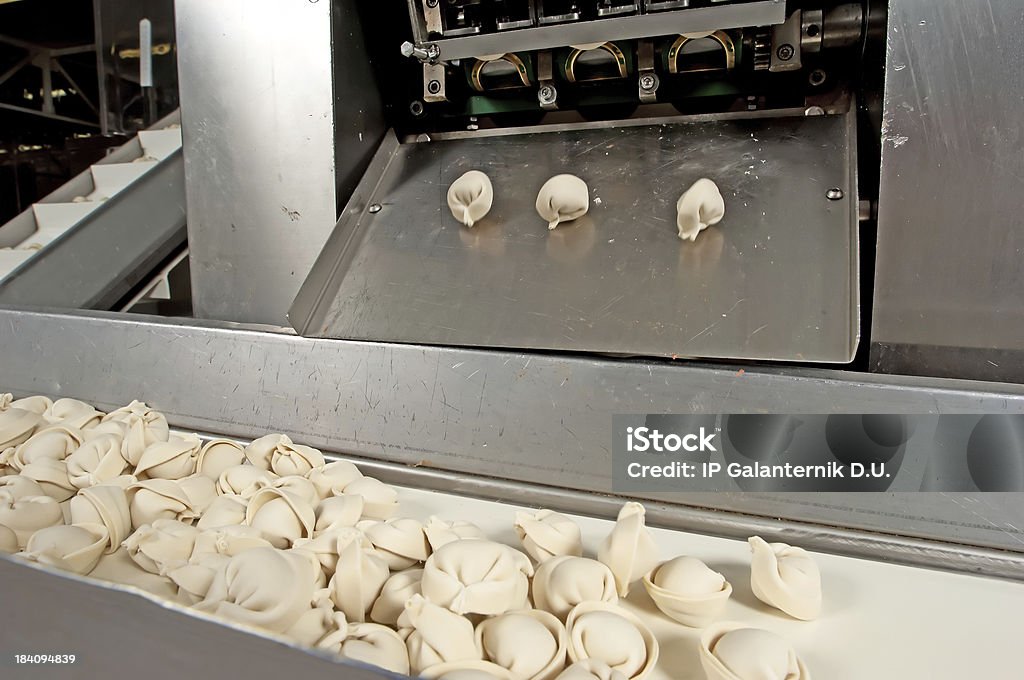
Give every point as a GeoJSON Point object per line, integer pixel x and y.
{"type": "Point", "coordinates": [701, 206]}
{"type": "Point", "coordinates": [28, 514]}
{"type": "Point", "coordinates": [687, 590]}
{"type": "Point", "coordinates": [476, 576]}
{"type": "Point", "coordinates": [440, 532]}
{"type": "Point", "coordinates": [547, 534]}
{"type": "Point", "coordinates": [277, 453]}
{"type": "Point", "coordinates": [614, 636]}
{"type": "Point", "coordinates": [396, 592]}
{"type": "Point", "coordinates": [590, 669]}
{"type": "Point", "coordinates": [563, 582]}
{"type": "Point", "coordinates": [470, 197]}
{"type": "Point", "coordinates": [730, 651]}
{"type": "Point", "coordinates": [563, 198]}
{"type": "Point", "coordinates": [105, 504]}
{"type": "Point", "coordinates": [76, 548]}
{"type": "Point", "coordinates": [435, 635]}
{"type": "Point", "coordinates": [529, 643]}
{"type": "Point", "coordinates": [217, 455]}
{"type": "Point", "coordinates": [380, 501]}
{"type": "Point", "coordinates": [400, 541]}
{"type": "Point", "coordinates": [358, 579]}
{"type": "Point", "coordinates": [629, 550]}
{"type": "Point", "coordinates": [785, 577]}
{"type": "Point", "coordinates": [370, 643]}
{"type": "Point", "coordinates": [262, 587]}
{"type": "Point", "coordinates": [166, 544]}
{"type": "Point", "coordinates": [281, 515]}
{"type": "Point", "coordinates": [467, 670]}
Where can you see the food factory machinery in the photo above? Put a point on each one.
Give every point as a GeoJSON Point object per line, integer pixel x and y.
{"type": "Point", "coordinates": [869, 154]}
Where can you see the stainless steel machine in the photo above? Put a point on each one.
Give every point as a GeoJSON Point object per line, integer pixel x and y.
{"type": "Point", "coordinates": [870, 155]}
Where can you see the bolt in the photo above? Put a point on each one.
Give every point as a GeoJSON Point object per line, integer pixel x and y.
{"type": "Point", "coordinates": [434, 86]}
{"type": "Point", "coordinates": [785, 52]}
{"type": "Point", "coordinates": [431, 3]}
{"type": "Point", "coordinates": [429, 53]}
{"type": "Point", "coordinates": [547, 94]}
{"type": "Point", "coordinates": [416, 108]}
{"type": "Point", "coordinates": [817, 77]}
{"type": "Point", "coordinates": [375, 208]}
{"type": "Point", "coordinates": [834, 194]}
{"type": "Point", "coordinates": [648, 81]}
{"type": "Point", "coordinates": [814, 111]}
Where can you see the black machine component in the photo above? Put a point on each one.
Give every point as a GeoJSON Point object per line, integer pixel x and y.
{"type": "Point", "coordinates": [507, 61]}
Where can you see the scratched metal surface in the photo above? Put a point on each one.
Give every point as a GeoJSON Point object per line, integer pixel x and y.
{"type": "Point", "coordinates": [509, 417]}
{"type": "Point", "coordinates": [776, 279]}
{"type": "Point", "coordinates": [949, 286]}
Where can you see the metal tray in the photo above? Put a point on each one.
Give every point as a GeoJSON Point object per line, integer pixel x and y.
{"type": "Point", "coordinates": [777, 279]}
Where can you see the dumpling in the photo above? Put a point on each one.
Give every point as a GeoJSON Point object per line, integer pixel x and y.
{"type": "Point", "coordinates": [629, 550]}
{"type": "Point", "coordinates": [730, 651]}
{"type": "Point", "coordinates": [687, 590]}
{"type": "Point", "coordinates": [547, 534]}
{"type": "Point", "coordinates": [530, 643]}
{"type": "Point", "coordinates": [563, 582]}
{"type": "Point", "coordinates": [435, 635]}
{"type": "Point", "coordinates": [476, 576]}
{"type": "Point", "coordinates": [785, 577]}
{"type": "Point", "coordinates": [440, 532]}
{"type": "Point", "coordinates": [470, 197]}
{"type": "Point", "coordinates": [262, 587]}
{"type": "Point", "coordinates": [75, 548]}
{"type": "Point", "coordinates": [396, 592]}
{"type": "Point", "coordinates": [701, 206]}
{"type": "Point", "coordinates": [563, 198]}
{"type": "Point", "coordinates": [590, 669]}
{"type": "Point", "coordinates": [370, 643]}
{"type": "Point", "coordinates": [602, 631]}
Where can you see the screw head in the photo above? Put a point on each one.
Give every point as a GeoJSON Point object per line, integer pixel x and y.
{"type": "Point", "coordinates": [375, 208]}
{"type": "Point", "coordinates": [431, 3]}
{"type": "Point", "coordinates": [785, 52]}
{"type": "Point", "coordinates": [834, 194]}
{"type": "Point", "coordinates": [546, 94]}
{"type": "Point", "coordinates": [416, 108]}
{"type": "Point", "coordinates": [817, 77]}
{"type": "Point", "coordinates": [648, 81]}
{"type": "Point", "coordinates": [434, 86]}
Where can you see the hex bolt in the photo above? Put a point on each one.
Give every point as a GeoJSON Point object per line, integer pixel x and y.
{"type": "Point", "coordinates": [648, 81]}
{"type": "Point", "coordinates": [785, 52]}
{"type": "Point", "coordinates": [434, 86]}
{"type": "Point", "coordinates": [416, 108]}
{"type": "Point", "coordinates": [375, 208]}
{"type": "Point", "coordinates": [546, 94]}
{"type": "Point", "coordinates": [834, 194]}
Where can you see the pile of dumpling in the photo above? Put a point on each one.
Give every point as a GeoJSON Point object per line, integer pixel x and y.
{"type": "Point", "coordinates": [274, 536]}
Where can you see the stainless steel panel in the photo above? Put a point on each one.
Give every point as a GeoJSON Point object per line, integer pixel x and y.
{"type": "Point", "coordinates": [762, 13]}
{"type": "Point", "coordinates": [264, 155]}
{"type": "Point", "coordinates": [59, 613]}
{"type": "Point", "coordinates": [949, 287]}
{"type": "Point", "coordinates": [533, 418]}
{"type": "Point", "coordinates": [619, 279]}
{"type": "Point", "coordinates": [99, 260]}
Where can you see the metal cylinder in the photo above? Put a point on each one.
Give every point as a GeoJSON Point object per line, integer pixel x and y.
{"type": "Point", "coordinates": [843, 26]}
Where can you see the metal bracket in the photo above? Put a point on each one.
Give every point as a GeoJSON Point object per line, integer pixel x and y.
{"type": "Point", "coordinates": [786, 39]}
{"type": "Point", "coordinates": [434, 83]}
{"type": "Point", "coordinates": [647, 81]}
{"type": "Point", "coordinates": [432, 16]}
{"type": "Point", "coordinates": [547, 93]}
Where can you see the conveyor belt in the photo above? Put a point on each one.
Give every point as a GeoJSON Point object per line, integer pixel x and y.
{"type": "Point", "coordinates": [93, 240]}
